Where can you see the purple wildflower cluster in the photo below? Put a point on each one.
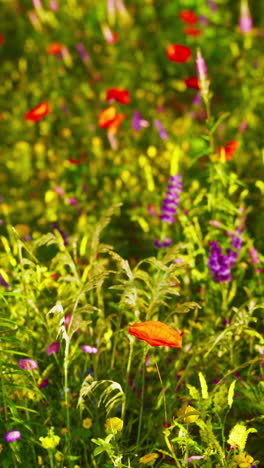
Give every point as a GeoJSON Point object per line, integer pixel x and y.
{"type": "Point", "coordinates": [171, 201]}
{"type": "Point", "coordinates": [220, 265]}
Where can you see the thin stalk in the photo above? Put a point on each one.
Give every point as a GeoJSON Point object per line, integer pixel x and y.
{"type": "Point", "coordinates": [141, 398]}
{"type": "Point", "coordinates": [129, 361]}
{"type": "Point", "coordinates": [163, 391]}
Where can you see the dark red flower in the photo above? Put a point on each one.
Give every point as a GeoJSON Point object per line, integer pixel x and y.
{"type": "Point", "coordinates": [188, 16]}
{"type": "Point", "coordinates": [228, 150]}
{"type": "Point", "coordinates": [2, 39]}
{"type": "Point", "coordinates": [190, 31]}
{"type": "Point", "coordinates": [119, 95]}
{"type": "Point", "coordinates": [192, 82]}
{"type": "Point", "coordinates": [178, 53]}
{"type": "Point", "coordinates": [156, 333]}
{"type": "Point", "coordinates": [38, 112]}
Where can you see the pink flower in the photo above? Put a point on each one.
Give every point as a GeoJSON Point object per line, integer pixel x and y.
{"type": "Point", "coordinates": [52, 348]}
{"type": "Point", "coordinates": [12, 436]}
{"type": "Point", "coordinates": [89, 349]}
{"type": "Point", "coordinates": [27, 364]}
{"type": "Point", "coordinates": [44, 383]}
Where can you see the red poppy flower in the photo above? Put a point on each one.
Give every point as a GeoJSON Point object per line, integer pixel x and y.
{"type": "Point", "coordinates": [2, 39]}
{"type": "Point", "coordinates": [192, 82]}
{"type": "Point", "coordinates": [119, 95]}
{"type": "Point", "coordinates": [188, 16]}
{"type": "Point", "coordinates": [107, 116]}
{"type": "Point", "coordinates": [178, 53]}
{"type": "Point", "coordinates": [190, 31]}
{"type": "Point", "coordinates": [228, 149]}
{"type": "Point", "coordinates": [156, 333]}
{"type": "Point", "coordinates": [55, 48]}
{"type": "Point", "coordinates": [38, 112]}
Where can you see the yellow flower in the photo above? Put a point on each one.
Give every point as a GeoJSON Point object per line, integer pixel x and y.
{"type": "Point", "coordinates": [244, 460]}
{"type": "Point", "coordinates": [1, 448]}
{"type": "Point", "coordinates": [149, 459]}
{"type": "Point", "coordinates": [40, 461]}
{"type": "Point", "coordinates": [58, 456]}
{"type": "Point", "coordinates": [50, 441]}
{"type": "Point", "coordinates": [87, 423]}
{"type": "Point", "coordinates": [185, 411]}
{"type": "Point", "coordinates": [113, 425]}
{"type": "Point", "coordinates": [238, 436]}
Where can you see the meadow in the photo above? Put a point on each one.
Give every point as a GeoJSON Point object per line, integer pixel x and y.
{"type": "Point", "coordinates": [131, 233]}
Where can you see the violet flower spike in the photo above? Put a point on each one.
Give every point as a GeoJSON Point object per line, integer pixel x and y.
{"type": "Point", "coordinates": [201, 71]}
{"type": "Point", "coordinates": [82, 52]}
{"type": "Point", "coordinates": [138, 122]}
{"type": "Point", "coordinates": [245, 20]}
{"type": "Point", "coordinates": [171, 200]}
{"type": "Point", "coordinates": [162, 132]}
{"type": "Point", "coordinates": [3, 282]}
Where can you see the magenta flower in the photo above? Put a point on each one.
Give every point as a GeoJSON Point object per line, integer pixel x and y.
{"type": "Point", "coordinates": [12, 436]}
{"type": "Point", "coordinates": [162, 132]}
{"type": "Point", "coordinates": [138, 122]}
{"type": "Point", "coordinates": [3, 282]}
{"type": "Point", "coordinates": [54, 6]}
{"type": "Point", "coordinates": [89, 349]}
{"type": "Point", "coordinates": [194, 457]}
{"type": "Point", "coordinates": [52, 348]}
{"type": "Point", "coordinates": [245, 20]}
{"type": "Point", "coordinates": [44, 383]}
{"type": "Point", "coordinates": [27, 364]}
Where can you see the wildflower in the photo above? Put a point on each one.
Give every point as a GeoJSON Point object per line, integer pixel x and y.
{"type": "Point", "coordinates": [149, 458]}
{"type": "Point", "coordinates": [166, 242]}
{"type": "Point", "coordinates": [118, 95]}
{"type": "Point", "coordinates": [58, 456]}
{"type": "Point", "coordinates": [162, 132]}
{"type": "Point", "coordinates": [254, 256]}
{"type": "Point", "coordinates": [38, 112]}
{"type": "Point", "coordinates": [221, 264]}
{"type": "Point", "coordinates": [12, 436]}
{"type": "Point", "coordinates": [89, 349]}
{"type": "Point", "coordinates": [52, 348]}
{"type": "Point", "coordinates": [238, 436]}
{"type": "Point", "coordinates": [115, 124]}
{"type": "Point", "coordinates": [55, 227]}
{"type": "Point", "coordinates": [51, 441]}
{"type": "Point", "coordinates": [212, 5]}
{"type": "Point", "coordinates": [44, 383]}
{"type": "Point", "coordinates": [188, 16]}
{"type": "Point", "coordinates": [111, 37]}
{"type": "Point", "coordinates": [192, 82]}
{"type": "Point", "coordinates": [245, 20]}
{"type": "Point", "coordinates": [201, 70]}
{"type": "Point", "coordinates": [138, 122]}
{"type": "Point", "coordinates": [2, 39]}
{"type": "Point", "coordinates": [54, 6]}
{"type": "Point", "coordinates": [107, 116]}
{"type": "Point", "coordinates": [27, 364]}
{"type": "Point", "coordinates": [178, 53]}
{"type": "Point", "coordinates": [87, 423]}
{"type": "Point", "coordinates": [3, 282]}
{"type": "Point", "coordinates": [171, 200]}
{"type": "Point", "coordinates": [190, 31]}
{"type": "Point", "coordinates": [193, 457]}
{"type": "Point", "coordinates": [228, 150]}
{"type": "Point", "coordinates": [55, 48]}
{"type": "Point", "coordinates": [184, 415]}
{"type": "Point", "coordinates": [156, 333]}
{"type": "Point", "coordinates": [82, 52]}
{"type": "Point", "coordinates": [113, 425]}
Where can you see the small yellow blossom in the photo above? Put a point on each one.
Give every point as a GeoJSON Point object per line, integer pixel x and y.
{"type": "Point", "coordinates": [187, 411]}
{"type": "Point", "coordinates": [243, 460]}
{"type": "Point", "coordinates": [1, 448]}
{"type": "Point", "coordinates": [50, 441]}
{"type": "Point", "coordinates": [113, 425]}
{"type": "Point", "coordinates": [58, 456]}
{"type": "Point", "coordinates": [149, 459]}
{"type": "Point", "coordinates": [87, 423]}
{"type": "Point", "coordinates": [40, 461]}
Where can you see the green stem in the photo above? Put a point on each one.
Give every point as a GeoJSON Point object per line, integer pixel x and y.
{"type": "Point", "coordinates": [142, 398]}
{"type": "Point", "coordinates": [129, 361]}
{"type": "Point", "coordinates": [163, 391]}
{"type": "Point", "coordinates": [66, 393]}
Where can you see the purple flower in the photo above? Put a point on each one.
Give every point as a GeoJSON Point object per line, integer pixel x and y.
{"type": "Point", "coordinates": [245, 20]}
{"type": "Point", "coordinates": [89, 349]}
{"type": "Point", "coordinates": [44, 383]}
{"type": "Point", "coordinates": [56, 227]}
{"type": "Point", "coordinates": [138, 122]}
{"type": "Point", "coordinates": [220, 265]}
{"type": "Point", "coordinates": [236, 240]}
{"type": "Point", "coordinates": [166, 242]}
{"type": "Point", "coordinates": [212, 5]}
{"type": "Point", "coordinates": [162, 132]}
{"type": "Point", "coordinates": [82, 52]}
{"type": "Point", "coordinates": [12, 436]}
{"type": "Point", "coordinates": [52, 348]}
{"type": "Point", "coordinates": [171, 201]}
{"type": "Point", "coordinates": [27, 364]}
{"type": "Point", "coordinates": [3, 282]}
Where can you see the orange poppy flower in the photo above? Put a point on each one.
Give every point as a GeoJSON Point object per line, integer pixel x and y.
{"type": "Point", "coordinates": [107, 116]}
{"type": "Point", "coordinates": [228, 149]}
{"type": "Point", "coordinates": [115, 124]}
{"type": "Point", "coordinates": [119, 95]}
{"type": "Point", "coordinates": [156, 333]}
{"type": "Point", "coordinates": [192, 82]}
{"type": "Point", "coordinates": [178, 53]}
{"type": "Point", "coordinates": [38, 112]}
{"type": "Point", "coordinates": [190, 31]}
{"type": "Point", "coordinates": [188, 16]}
{"type": "Point", "coordinates": [55, 48]}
